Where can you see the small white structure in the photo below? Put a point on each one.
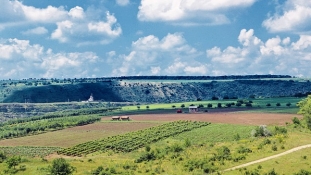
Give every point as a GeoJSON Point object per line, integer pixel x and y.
{"type": "Point", "coordinates": [193, 109]}
{"type": "Point", "coordinates": [91, 98]}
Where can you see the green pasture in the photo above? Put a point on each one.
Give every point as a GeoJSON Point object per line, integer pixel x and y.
{"type": "Point", "coordinates": [259, 105]}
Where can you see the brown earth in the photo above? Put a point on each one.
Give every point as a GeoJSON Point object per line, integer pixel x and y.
{"type": "Point", "coordinates": [244, 118]}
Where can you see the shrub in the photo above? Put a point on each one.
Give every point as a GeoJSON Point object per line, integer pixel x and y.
{"type": "Point", "coordinates": [288, 104]}
{"type": "Point", "coordinates": [146, 156]}
{"type": "Point", "coordinates": [236, 137]}
{"type": "Point", "coordinates": [215, 98]}
{"type": "Point", "coordinates": [278, 104]}
{"type": "Point", "coordinates": [238, 104]}
{"type": "Point", "coordinates": [61, 166]}
{"type": "Point", "coordinates": [187, 142]}
{"type": "Point", "coordinates": [280, 130]}
{"type": "Point", "coordinates": [223, 153]}
{"type": "Point", "coordinates": [243, 150]}
{"type": "Point", "coordinates": [248, 104]}
{"type": "Point", "coordinates": [219, 105]}
{"type": "Point", "coordinates": [296, 121]}
{"type": "Point", "coordinates": [209, 105]}
{"type": "Point", "coordinates": [261, 131]}
{"type": "Point", "coordinates": [268, 104]}
{"type": "Point", "coordinates": [274, 148]}
{"type": "Point", "coordinates": [303, 172]}
{"type": "Point", "coordinates": [176, 148]}
{"type": "Point", "coordinates": [2, 157]}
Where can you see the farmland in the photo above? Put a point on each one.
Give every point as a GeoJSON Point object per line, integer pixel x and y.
{"type": "Point", "coordinates": [224, 133]}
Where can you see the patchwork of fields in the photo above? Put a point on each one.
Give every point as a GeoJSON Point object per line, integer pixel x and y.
{"type": "Point", "coordinates": [193, 151]}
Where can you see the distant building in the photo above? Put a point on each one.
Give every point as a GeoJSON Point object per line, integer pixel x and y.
{"type": "Point", "coordinates": [193, 109]}
{"type": "Point", "coordinates": [91, 98]}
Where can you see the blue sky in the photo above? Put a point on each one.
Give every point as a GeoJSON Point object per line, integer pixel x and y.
{"type": "Point", "coordinates": [102, 38]}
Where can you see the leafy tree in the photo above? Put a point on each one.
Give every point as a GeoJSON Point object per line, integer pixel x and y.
{"type": "Point", "coordinates": [147, 107]}
{"type": "Point", "coordinates": [268, 104]}
{"type": "Point", "coordinates": [138, 107]}
{"type": "Point", "coordinates": [305, 110]}
{"type": "Point", "coordinates": [182, 105]}
{"type": "Point", "coordinates": [173, 106]}
{"type": "Point", "coordinates": [210, 105]}
{"type": "Point", "coordinates": [288, 104]}
{"type": "Point", "coordinates": [248, 104]}
{"type": "Point", "coordinates": [219, 105]}
{"type": "Point", "coordinates": [215, 98]}
{"type": "Point", "coordinates": [278, 104]}
{"type": "Point", "coordinates": [228, 105]}
{"type": "Point", "coordinates": [12, 162]}
{"type": "Point", "coordinates": [238, 104]}
{"type": "Point", "coordinates": [61, 167]}
{"type": "Point", "coordinates": [2, 157]}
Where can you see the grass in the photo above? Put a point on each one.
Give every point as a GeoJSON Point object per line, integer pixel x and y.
{"type": "Point", "coordinates": [257, 103]}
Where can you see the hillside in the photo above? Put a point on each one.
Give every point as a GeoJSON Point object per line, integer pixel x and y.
{"type": "Point", "coordinates": [154, 91]}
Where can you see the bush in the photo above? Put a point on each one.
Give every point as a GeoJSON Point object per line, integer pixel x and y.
{"type": "Point", "coordinates": [219, 105]}
{"type": "Point", "coordinates": [274, 148]}
{"type": "Point", "coordinates": [2, 157]}
{"type": "Point", "coordinates": [61, 167]}
{"type": "Point", "coordinates": [209, 105]}
{"type": "Point", "coordinates": [261, 131]}
{"type": "Point", "coordinates": [280, 130]}
{"type": "Point", "coordinates": [296, 121]}
{"type": "Point", "coordinates": [146, 156]}
{"type": "Point", "coordinates": [303, 172]}
{"type": "Point", "coordinates": [278, 104]}
{"type": "Point", "coordinates": [248, 104]}
{"type": "Point", "coordinates": [215, 98]}
{"type": "Point", "coordinates": [243, 150]}
{"type": "Point", "coordinates": [268, 104]}
{"type": "Point", "coordinates": [238, 104]}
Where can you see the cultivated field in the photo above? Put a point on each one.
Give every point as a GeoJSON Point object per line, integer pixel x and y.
{"type": "Point", "coordinates": [243, 118]}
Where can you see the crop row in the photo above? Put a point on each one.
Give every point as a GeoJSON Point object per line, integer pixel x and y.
{"type": "Point", "coordinates": [134, 140]}
{"type": "Point", "coordinates": [38, 126]}
{"type": "Point", "coordinates": [28, 151]}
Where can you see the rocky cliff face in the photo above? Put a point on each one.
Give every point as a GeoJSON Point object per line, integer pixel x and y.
{"type": "Point", "coordinates": [176, 92]}
{"type": "Point", "coordinates": [157, 92]}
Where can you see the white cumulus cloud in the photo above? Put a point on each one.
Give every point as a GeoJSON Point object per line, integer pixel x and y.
{"type": "Point", "coordinates": [151, 55]}
{"type": "Point", "coordinates": [36, 31]}
{"type": "Point", "coordinates": [294, 17]}
{"type": "Point", "coordinates": [189, 12]}
{"type": "Point", "coordinates": [20, 59]}
{"type": "Point", "coordinates": [122, 2]}
{"type": "Point", "coordinates": [253, 56]}
{"type": "Point", "coordinates": [77, 25]}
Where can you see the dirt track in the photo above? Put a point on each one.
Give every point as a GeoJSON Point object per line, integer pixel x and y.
{"type": "Point", "coordinates": [222, 117]}
{"type": "Point", "coordinates": [270, 157]}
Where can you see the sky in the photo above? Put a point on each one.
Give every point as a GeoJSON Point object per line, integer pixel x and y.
{"type": "Point", "coordinates": [104, 38]}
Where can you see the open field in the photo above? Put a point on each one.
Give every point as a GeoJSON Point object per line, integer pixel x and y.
{"type": "Point", "coordinates": [75, 135]}
{"type": "Point", "coordinates": [72, 136]}
{"type": "Point", "coordinates": [243, 118]}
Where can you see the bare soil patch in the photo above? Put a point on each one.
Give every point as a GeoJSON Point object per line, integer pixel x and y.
{"type": "Point", "coordinates": [80, 134]}
{"type": "Point", "coordinates": [243, 118]}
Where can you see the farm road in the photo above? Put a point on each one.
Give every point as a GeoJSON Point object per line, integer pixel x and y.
{"type": "Point", "coordinates": [270, 157]}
